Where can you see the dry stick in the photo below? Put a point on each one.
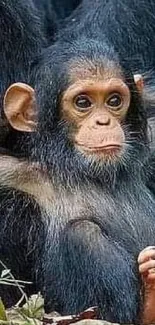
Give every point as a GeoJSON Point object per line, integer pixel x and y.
{"type": "Point", "coordinates": [24, 296]}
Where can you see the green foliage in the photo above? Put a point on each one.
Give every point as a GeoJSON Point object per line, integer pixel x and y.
{"type": "Point", "coordinates": [30, 313]}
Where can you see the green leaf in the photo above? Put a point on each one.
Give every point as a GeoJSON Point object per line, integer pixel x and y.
{"type": "Point", "coordinates": [2, 311]}
{"type": "Point", "coordinates": [16, 317]}
{"type": "Point", "coordinates": [34, 308]}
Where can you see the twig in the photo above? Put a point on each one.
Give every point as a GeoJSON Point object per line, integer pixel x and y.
{"type": "Point", "coordinates": [24, 296]}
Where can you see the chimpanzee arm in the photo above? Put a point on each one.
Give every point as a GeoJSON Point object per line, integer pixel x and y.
{"type": "Point", "coordinates": [87, 268]}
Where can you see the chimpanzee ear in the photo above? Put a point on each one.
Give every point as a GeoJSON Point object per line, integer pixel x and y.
{"type": "Point", "coordinates": [20, 107]}
{"type": "Point", "coordinates": [139, 82]}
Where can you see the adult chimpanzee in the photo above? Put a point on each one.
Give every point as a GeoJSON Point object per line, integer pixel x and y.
{"type": "Point", "coordinates": [75, 211]}
{"type": "Point", "coordinates": [22, 38]}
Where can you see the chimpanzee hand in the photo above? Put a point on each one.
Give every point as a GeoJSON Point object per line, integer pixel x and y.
{"type": "Point", "coordinates": [146, 262]}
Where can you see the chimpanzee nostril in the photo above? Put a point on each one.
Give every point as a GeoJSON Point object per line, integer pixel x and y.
{"type": "Point", "coordinates": [104, 121]}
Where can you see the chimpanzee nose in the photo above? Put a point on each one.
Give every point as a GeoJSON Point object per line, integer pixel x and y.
{"type": "Point", "coordinates": [104, 120]}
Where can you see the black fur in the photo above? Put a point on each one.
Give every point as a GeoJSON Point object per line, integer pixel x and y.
{"type": "Point", "coordinates": [22, 38]}
{"type": "Point", "coordinates": [54, 14]}
{"type": "Point", "coordinates": [64, 8]}
{"type": "Point", "coordinates": [50, 18]}
{"type": "Point", "coordinates": [129, 26]}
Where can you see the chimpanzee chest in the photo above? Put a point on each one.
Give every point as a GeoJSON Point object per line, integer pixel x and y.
{"type": "Point", "coordinates": [125, 217]}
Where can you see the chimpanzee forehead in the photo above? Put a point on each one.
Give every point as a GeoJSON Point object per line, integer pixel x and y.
{"type": "Point", "coordinates": [85, 69]}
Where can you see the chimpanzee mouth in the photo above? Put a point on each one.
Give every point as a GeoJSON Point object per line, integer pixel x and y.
{"type": "Point", "coordinates": [106, 153]}
{"type": "Point", "coordinates": [109, 149]}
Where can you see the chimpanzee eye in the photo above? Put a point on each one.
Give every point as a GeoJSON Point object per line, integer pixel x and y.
{"type": "Point", "coordinates": [82, 102]}
{"type": "Point", "coordinates": [114, 101]}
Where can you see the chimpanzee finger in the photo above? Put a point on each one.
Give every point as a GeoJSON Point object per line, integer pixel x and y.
{"type": "Point", "coordinates": [144, 267]}
{"type": "Point", "coordinates": [146, 254]}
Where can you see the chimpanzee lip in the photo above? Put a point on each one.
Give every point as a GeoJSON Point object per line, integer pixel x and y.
{"type": "Point", "coordinates": [109, 148]}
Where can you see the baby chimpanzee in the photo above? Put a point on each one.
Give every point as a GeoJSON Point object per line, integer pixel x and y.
{"type": "Point", "coordinates": [75, 209]}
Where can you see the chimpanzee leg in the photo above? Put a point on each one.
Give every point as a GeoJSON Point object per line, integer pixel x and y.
{"type": "Point", "coordinates": [90, 269]}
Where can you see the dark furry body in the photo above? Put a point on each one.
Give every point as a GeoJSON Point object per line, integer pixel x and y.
{"type": "Point", "coordinates": [85, 252]}
{"type": "Point", "coordinates": [129, 26]}
{"type": "Point", "coordinates": [22, 39]}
